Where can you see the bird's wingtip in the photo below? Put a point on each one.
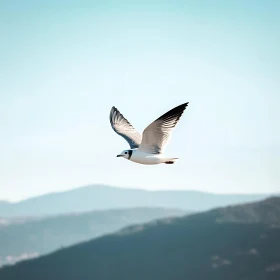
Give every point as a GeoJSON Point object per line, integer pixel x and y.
{"type": "Point", "coordinates": [113, 109]}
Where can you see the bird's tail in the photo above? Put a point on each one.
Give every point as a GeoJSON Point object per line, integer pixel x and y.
{"type": "Point", "coordinates": [171, 160]}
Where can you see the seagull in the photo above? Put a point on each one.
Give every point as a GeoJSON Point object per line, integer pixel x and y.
{"type": "Point", "coordinates": [149, 147]}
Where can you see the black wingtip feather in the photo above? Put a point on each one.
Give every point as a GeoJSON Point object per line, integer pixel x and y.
{"type": "Point", "coordinates": [174, 113]}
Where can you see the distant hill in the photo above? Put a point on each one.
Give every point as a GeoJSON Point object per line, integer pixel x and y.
{"type": "Point", "coordinates": [240, 242]}
{"type": "Point", "coordinates": [103, 197]}
{"type": "Point", "coordinates": [24, 238]}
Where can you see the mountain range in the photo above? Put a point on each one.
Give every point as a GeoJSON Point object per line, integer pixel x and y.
{"type": "Point", "coordinates": [31, 237]}
{"type": "Point", "coordinates": [99, 197]}
{"type": "Point", "coordinates": [234, 243]}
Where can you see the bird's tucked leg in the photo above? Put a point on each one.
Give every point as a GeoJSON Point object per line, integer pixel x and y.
{"type": "Point", "coordinates": [171, 161]}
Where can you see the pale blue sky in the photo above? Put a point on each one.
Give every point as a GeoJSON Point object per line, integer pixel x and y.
{"type": "Point", "coordinates": [64, 64]}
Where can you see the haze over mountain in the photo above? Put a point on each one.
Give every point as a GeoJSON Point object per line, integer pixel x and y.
{"type": "Point", "coordinates": [98, 197]}
{"type": "Point", "coordinates": [25, 238]}
{"type": "Point", "coordinates": [240, 242]}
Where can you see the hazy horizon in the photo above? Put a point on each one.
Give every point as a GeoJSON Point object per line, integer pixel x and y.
{"type": "Point", "coordinates": [65, 64]}
{"type": "Point", "coordinates": [136, 189]}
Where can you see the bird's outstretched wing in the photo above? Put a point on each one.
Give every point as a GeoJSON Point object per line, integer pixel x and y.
{"type": "Point", "coordinates": [155, 136]}
{"type": "Point", "coordinates": [122, 127]}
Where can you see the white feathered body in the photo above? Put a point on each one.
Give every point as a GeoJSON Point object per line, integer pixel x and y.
{"type": "Point", "coordinates": [141, 157]}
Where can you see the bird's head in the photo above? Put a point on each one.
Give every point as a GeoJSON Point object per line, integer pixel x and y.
{"type": "Point", "coordinates": [125, 154]}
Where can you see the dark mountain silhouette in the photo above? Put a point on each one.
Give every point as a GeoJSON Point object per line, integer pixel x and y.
{"type": "Point", "coordinates": [24, 238]}
{"type": "Point", "coordinates": [240, 242]}
{"type": "Point", "coordinates": [104, 197]}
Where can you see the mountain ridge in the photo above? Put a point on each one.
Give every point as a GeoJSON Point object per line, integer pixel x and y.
{"type": "Point", "coordinates": [195, 247]}
{"type": "Point", "coordinates": [101, 197]}
{"type": "Point", "coordinates": [21, 238]}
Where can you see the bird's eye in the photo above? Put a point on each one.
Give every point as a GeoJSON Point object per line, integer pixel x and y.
{"type": "Point", "coordinates": [125, 152]}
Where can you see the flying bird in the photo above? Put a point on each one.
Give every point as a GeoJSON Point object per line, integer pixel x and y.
{"type": "Point", "coordinates": [149, 147]}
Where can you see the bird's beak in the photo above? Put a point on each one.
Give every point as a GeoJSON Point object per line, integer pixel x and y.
{"type": "Point", "coordinates": [119, 155]}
